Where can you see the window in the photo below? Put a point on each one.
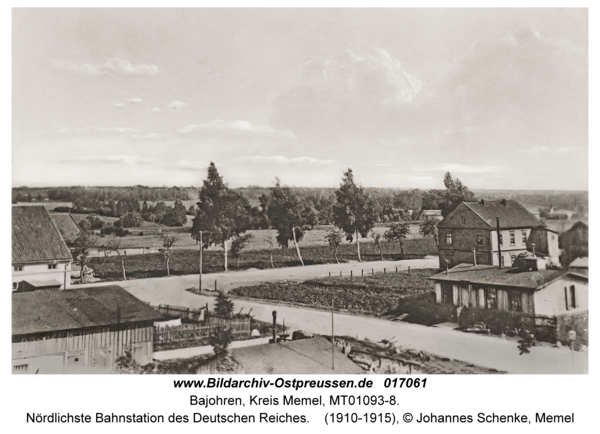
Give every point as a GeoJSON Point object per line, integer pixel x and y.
{"type": "Point", "coordinates": [501, 239]}
{"type": "Point", "coordinates": [491, 302]}
{"type": "Point", "coordinates": [512, 259]}
{"type": "Point", "coordinates": [566, 299]}
{"type": "Point", "coordinates": [573, 302]}
{"type": "Point", "coordinates": [447, 294]}
{"type": "Point", "coordinates": [449, 239]}
{"type": "Point", "coordinates": [512, 238]}
{"type": "Point", "coordinates": [524, 237]}
{"type": "Point", "coordinates": [479, 240]}
{"type": "Point", "coordinates": [463, 220]}
{"type": "Point", "coordinates": [51, 266]}
{"type": "Point", "coordinates": [502, 261]}
{"type": "Point", "coordinates": [18, 268]}
{"type": "Point", "coordinates": [15, 285]}
{"type": "Point", "coordinates": [514, 300]}
{"type": "Point", "coordinates": [20, 368]}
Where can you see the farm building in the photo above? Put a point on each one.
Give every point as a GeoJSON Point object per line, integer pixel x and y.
{"type": "Point", "coordinates": [574, 242]}
{"type": "Point", "coordinates": [80, 331]}
{"type": "Point", "coordinates": [580, 266]}
{"type": "Point", "coordinates": [469, 234]}
{"type": "Point", "coordinates": [67, 226]}
{"type": "Point", "coordinates": [432, 214]}
{"type": "Point", "coordinates": [40, 257]}
{"type": "Point", "coordinates": [526, 290]}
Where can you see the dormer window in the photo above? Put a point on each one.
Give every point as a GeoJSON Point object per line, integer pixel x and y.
{"type": "Point", "coordinates": [449, 239]}
{"type": "Point", "coordinates": [51, 266]}
{"type": "Point", "coordinates": [463, 221]}
{"type": "Point", "coordinates": [18, 268]}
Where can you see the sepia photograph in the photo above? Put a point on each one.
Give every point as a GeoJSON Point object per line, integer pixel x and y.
{"type": "Point", "coordinates": [292, 191]}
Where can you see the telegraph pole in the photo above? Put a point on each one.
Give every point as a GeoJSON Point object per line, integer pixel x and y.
{"type": "Point", "coordinates": [200, 284]}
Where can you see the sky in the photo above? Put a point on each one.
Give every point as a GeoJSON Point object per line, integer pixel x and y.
{"type": "Point", "coordinates": [497, 97]}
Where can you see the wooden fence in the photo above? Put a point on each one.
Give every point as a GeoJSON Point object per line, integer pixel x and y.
{"type": "Point", "coordinates": [182, 312]}
{"type": "Point", "coordinates": [191, 332]}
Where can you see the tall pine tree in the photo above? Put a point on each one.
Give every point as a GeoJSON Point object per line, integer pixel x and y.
{"type": "Point", "coordinates": [222, 213]}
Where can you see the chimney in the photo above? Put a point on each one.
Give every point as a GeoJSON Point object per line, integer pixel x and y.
{"type": "Point", "coordinates": [274, 340]}
{"type": "Point", "coordinates": [499, 243]}
{"type": "Point", "coordinates": [503, 202]}
{"type": "Point", "coordinates": [474, 257]}
{"type": "Point", "coordinates": [533, 248]}
{"type": "Point", "coordinates": [482, 202]}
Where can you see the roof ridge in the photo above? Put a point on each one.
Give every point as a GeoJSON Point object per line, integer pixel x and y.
{"type": "Point", "coordinates": [477, 214]}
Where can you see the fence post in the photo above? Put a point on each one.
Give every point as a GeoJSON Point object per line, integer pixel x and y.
{"type": "Point", "coordinates": [340, 273]}
{"type": "Point", "coordinates": [396, 270]}
{"type": "Point", "coordinates": [409, 269]}
{"type": "Point", "coordinates": [361, 273]}
{"type": "Point", "coordinates": [330, 274]}
{"type": "Point", "coordinates": [384, 271]}
{"type": "Point", "coordinates": [215, 284]}
{"type": "Point", "coordinates": [372, 272]}
{"type": "Point", "coordinates": [351, 273]}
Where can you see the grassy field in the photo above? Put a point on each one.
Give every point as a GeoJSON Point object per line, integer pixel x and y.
{"type": "Point", "coordinates": [260, 238]}
{"type": "Point", "coordinates": [186, 261]}
{"type": "Point", "coordinates": [373, 294]}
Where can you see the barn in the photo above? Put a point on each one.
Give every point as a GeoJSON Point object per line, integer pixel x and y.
{"type": "Point", "coordinates": [80, 331]}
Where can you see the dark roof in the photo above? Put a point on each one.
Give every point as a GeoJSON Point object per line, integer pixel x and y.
{"type": "Point", "coordinates": [491, 275]}
{"type": "Point", "coordinates": [47, 311]}
{"type": "Point", "coordinates": [306, 356]}
{"type": "Point", "coordinates": [579, 263]}
{"type": "Point", "coordinates": [35, 237]}
{"type": "Point", "coordinates": [513, 215]}
{"type": "Point", "coordinates": [67, 226]}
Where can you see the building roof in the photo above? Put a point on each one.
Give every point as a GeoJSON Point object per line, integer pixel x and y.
{"type": "Point", "coordinates": [48, 311]}
{"type": "Point", "coordinates": [579, 263]}
{"type": "Point", "coordinates": [67, 226]}
{"type": "Point", "coordinates": [43, 283]}
{"type": "Point", "coordinates": [35, 237]}
{"type": "Point", "coordinates": [492, 275]}
{"type": "Point", "coordinates": [512, 214]}
{"type": "Point", "coordinates": [306, 356]}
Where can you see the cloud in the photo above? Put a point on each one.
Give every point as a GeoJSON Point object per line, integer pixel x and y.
{"type": "Point", "coordinates": [120, 105]}
{"type": "Point", "coordinates": [154, 110]}
{"type": "Point", "coordinates": [347, 94]}
{"type": "Point", "coordinates": [135, 100]}
{"type": "Point", "coordinates": [114, 66]}
{"type": "Point", "coordinates": [119, 130]}
{"type": "Point", "coordinates": [546, 150]}
{"type": "Point", "coordinates": [187, 165]}
{"type": "Point", "coordinates": [129, 160]}
{"type": "Point", "coordinates": [176, 105]}
{"type": "Point", "coordinates": [236, 127]}
{"type": "Point", "coordinates": [279, 159]}
{"type": "Point", "coordinates": [461, 168]}
{"type": "Point", "coordinates": [150, 136]}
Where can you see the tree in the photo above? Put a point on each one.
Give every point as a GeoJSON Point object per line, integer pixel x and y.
{"type": "Point", "coordinates": [397, 233]}
{"type": "Point", "coordinates": [429, 229]}
{"type": "Point", "coordinates": [176, 216]}
{"type": "Point", "coordinates": [220, 338]}
{"type": "Point", "coordinates": [96, 221]}
{"type": "Point", "coordinates": [85, 225]}
{"type": "Point", "coordinates": [168, 241]}
{"type": "Point", "coordinates": [131, 220]}
{"type": "Point", "coordinates": [289, 216]}
{"type": "Point", "coordinates": [222, 213]}
{"type": "Point", "coordinates": [334, 239]}
{"type": "Point", "coordinates": [271, 240]}
{"type": "Point", "coordinates": [378, 238]}
{"type": "Point", "coordinates": [238, 244]}
{"type": "Point", "coordinates": [115, 246]}
{"type": "Point", "coordinates": [354, 212]}
{"type": "Point", "coordinates": [82, 245]}
{"type": "Point", "coordinates": [223, 305]}
{"type": "Point", "coordinates": [455, 193]}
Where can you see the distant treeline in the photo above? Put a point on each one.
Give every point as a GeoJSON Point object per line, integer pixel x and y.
{"type": "Point", "coordinates": [90, 197]}
{"type": "Point", "coordinates": [391, 204]}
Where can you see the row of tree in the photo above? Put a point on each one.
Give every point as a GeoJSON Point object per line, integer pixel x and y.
{"type": "Point", "coordinates": [224, 214]}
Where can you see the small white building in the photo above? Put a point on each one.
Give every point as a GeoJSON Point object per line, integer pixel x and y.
{"type": "Point", "coordinates": [40, 257]}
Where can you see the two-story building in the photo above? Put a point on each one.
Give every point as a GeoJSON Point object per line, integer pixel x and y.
{"type": "Point", "coordinates": [469, 234]}
{"type": "Point", "coordinates": [40, 256]}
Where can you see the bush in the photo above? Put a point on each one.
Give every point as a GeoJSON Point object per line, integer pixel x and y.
{"type": "Point", "coordinates": [141, 234]}
{"type": "Point", "coordinates": [425, 311]}
{"type": "Point", "coordinates": [62, 209]}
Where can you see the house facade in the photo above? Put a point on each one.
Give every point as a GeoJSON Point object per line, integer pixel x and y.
{"type": "Point", "coordinates": [469, 235]}
{"type": "Point", "coordinates": [40, 257]}
{"type": "Point", "coordinates": [80, 331]}
{"type": "Point", "coordinates": [558, 294]}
